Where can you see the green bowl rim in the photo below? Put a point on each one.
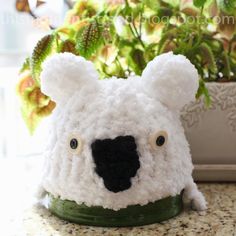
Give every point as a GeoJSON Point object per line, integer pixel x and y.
{"type": "Point", "coordinates": [134, 215]}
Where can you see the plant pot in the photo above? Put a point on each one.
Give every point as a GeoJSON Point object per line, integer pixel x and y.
{"type": "Point", "coordinates": [211, 133]}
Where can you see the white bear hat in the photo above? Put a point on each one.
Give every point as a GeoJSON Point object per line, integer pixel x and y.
{"type": "Point", "coordinates": [117, 154]}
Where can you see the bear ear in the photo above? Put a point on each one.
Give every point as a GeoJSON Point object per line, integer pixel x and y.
{"type": "Point", "coordinates": [172, 79]}
{"type": "Point", "coordinates": [64, 73]}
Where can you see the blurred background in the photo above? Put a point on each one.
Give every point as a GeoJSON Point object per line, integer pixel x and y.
{"type": "Point", "coordinates": [19, 32]}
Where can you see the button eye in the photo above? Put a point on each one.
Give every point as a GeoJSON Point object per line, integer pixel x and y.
{"type": "Point", "coordinates": [75, 144]}
{"type": "Point", "coordinates": [158, 140]}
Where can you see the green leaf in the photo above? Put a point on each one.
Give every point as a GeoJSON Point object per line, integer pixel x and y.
{"type": "Point", "coordinates": [68, 46]}
{"type": "Point", "coordinates": [41, 51]}
{"type": "Point", "coordinates": [137, 61]}
{"type": "Point", "coordinates": [164, 12]}
{"type": "Point", "coordinates": [26, 65]}
{"type": "Point", "coordinates": [154, 5]}
{"type": "Point", "coordinates": [108, 31]}
{"type": "Point", "coordinates": [227, 68]}
{"type": "Point", "coordinates": [34, 106]}
{"type": "Point", "coordinates": [127, 10]}
{"type": "Point", "coordinates": [88, 39]}
{"type": "Point", "coordinates": [202, 90]}
{"type": "Point", "coordinates": [170, 3]}
{"type": "Point", "coordinates": [166, 37]}
{"type": "Point", "coordinates": [31, 119]}
{"type": "Point", "coordinates": [227, 6]}
{"type": "Point", "coordinates": [208, 57]}
{"type": "Point", "coordinates": [199, 3]}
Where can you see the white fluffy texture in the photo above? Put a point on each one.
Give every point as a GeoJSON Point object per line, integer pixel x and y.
{"type": "Point", "coordinates": [117, 107]}
{"type": "Point", "coordinates": [64, 73]}
{"type": "Point", "coordinates": [196, 198]}
{"type": "Point", "coordinates": [173, 79]}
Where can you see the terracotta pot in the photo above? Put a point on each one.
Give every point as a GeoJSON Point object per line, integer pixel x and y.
{"type": "Point", "coordinates": [211, 133]}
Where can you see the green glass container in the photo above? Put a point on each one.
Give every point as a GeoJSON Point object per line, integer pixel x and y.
{"type": "Point", "coordinates": [135, 215]}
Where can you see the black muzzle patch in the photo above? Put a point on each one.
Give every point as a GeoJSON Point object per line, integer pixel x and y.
{"type": "Point", "coordinates": [117, 161]}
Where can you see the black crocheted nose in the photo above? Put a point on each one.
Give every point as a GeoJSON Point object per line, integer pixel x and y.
{"type": "Point", "coordinates": [117, 161]}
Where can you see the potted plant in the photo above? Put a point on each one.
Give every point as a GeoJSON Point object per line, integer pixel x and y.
{"type": "Point", "coordinates": [121, 36]}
